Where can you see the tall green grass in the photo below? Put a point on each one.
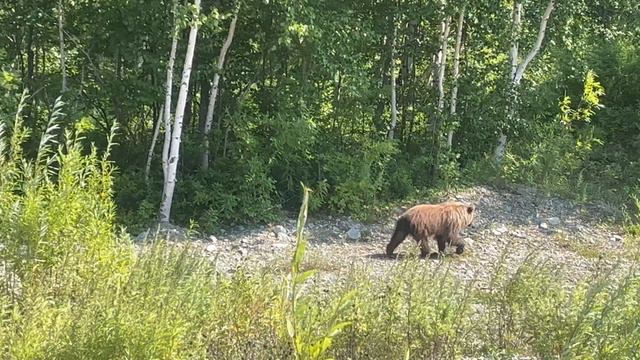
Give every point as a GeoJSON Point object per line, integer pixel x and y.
{"type": "Point", "coordinates": [73, 288]}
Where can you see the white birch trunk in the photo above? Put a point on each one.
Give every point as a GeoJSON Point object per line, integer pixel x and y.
{"type": "Point", "coordinates": [63, 63]}
{"type": "Point", "coordinates": [204, 165]}
{"type": "Point", "coordinates": [394, 106]}
{"type": "Point", "coordinates": [168, 88]}
{"type": "Point", "coordinates": [456, 74]}
{"type": "Point", "coordinates": [436, 125]}
{"type": "Point", "coordinates": [174, 152]}
{"type": "Point", "coordinates": [442, 62]}
{"type": "Point", "coordinates": [152, 147]}
{"type": "Point", "coordinates": [518, 68]}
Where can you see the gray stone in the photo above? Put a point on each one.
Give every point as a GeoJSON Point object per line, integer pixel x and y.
{"type": "Point", "coordinates": [211, 248]}
{"type": "Point", "coordinates": [500, 230]}
{"type": "Point", "coordinates": [617, 238]}
{"type": "Point", "coordinates": [468, 242]}
{"type": "Point", "coordinates": [279, 229]}
{"type": "Point", "coordinates": [354, 233]}
{"type": "Point", "coordinates": [554, 221]}
{"type": "Point", "coordinates": [213, 238]}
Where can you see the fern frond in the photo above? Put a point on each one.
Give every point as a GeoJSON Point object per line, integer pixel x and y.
{"type": "Point", "coordinates": [48, 139]}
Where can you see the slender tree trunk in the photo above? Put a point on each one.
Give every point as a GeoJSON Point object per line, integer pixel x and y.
{"type": "Point", "coordinates": [337, 91]}
{"type": "Point", "coordinates": [518, 69]}
{"type": "Point", "coordinates": [30, 57]}
{"type": "Point", "coordinates": [204, 163]}
{"type": "Point", "coordinates": [456, 74]}
{"type": "Point", "coordinates": [167, 98]}
{"type": "Point", "coordinates": [443, 62]}
{"type": "Point", "coordinates": [152, 147]}
{"type": "Point", "coordinates": [174, 152]}
{"type": "Point", "coordinates": [385, 64]}
{"type": "Point", "coordinates": [63, 65]}
{"type": "Point", "coordinates": [410, 88]}
{"type": "Point", "coordinates": [437, 123]}
{"type": "Point", "coordinates": [394, 107]}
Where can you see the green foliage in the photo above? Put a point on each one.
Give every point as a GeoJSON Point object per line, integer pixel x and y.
{"type": "Point", "coordinates": [361, 178]}
{"type": "Point", "coordinates": [310, 329]}
{"type": "Point", "coordinates": [86, 293]}
{"type": "Point", "coordinates": [556, 162]}
{"type": "Point", "coordinates": [37, 237]}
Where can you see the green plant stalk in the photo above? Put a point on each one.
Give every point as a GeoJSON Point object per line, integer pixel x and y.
{"type": "Point", "coordinates": [294, 278]}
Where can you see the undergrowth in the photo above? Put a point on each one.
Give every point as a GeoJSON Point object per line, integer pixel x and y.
{"type": "Point", "coordinates": [73, 288]}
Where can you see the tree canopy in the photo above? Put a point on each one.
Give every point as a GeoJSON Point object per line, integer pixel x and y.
{"type": "Point", "coordinates": [304, 95]}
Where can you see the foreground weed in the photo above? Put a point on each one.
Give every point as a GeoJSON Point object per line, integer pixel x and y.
{"type": "Point", "coordinates": [302, 316]}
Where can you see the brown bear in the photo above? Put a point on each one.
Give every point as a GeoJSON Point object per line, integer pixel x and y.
{"type": "Point", "coordinates": [442, 221]}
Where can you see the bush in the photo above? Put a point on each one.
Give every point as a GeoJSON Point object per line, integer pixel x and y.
{"type": "Point", "coordinates": [72, 288]}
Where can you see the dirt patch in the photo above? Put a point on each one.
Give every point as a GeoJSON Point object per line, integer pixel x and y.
{"type": "Point", "coordinates": [511, 225]}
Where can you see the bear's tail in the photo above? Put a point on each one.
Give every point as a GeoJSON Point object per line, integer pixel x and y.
{"type": "Point", "coordinates": [399, 234]}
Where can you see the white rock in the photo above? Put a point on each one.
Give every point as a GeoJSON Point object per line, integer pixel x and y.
{"type": "Point", "coordinates": [554, 221]}
{"type": "Point", "coordinates": [211, 248]}
{"type": "Point", "coordinates": [617, 238]}
{"type": "Point", "coordinates": [468, 242]}
{"type": "Point", "coordinates": [354, 233]}
{"type": "Point", "coordinates": [279, 229]}
{"type": "Point", "coordinates": [213, 238]}
{"type": "Point", "coordinates": [284, 237]}
{"type": "Point", "coordinates": [500, 230]}
{"type": "Point", "coordinates": [543, 225]}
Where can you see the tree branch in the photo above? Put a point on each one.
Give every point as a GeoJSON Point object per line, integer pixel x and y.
{"type": "Point", "coordinates": [536, 46]}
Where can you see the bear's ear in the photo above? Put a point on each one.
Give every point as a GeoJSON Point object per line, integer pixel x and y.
{"type": "Point", "coordinates": [470, 209]}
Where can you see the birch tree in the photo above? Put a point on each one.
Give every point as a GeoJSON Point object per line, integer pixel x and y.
{"type": "Point", "coordinates": [455, 74]}
{"type": "Point", "coordinates": [518, 68]}
{"type": "Point", "coordinates": [204, 164]}
{"type": "Point", "coordinates": [166, 117]}
{"type": "Point", "coordinates": [63, 65]}
{"type": "Point", "coordinates": [154, 139]}
{"type": "Point", "coordinates": [436, 125]}
{"type": "Point", "coordinates": [176, 131]}
{"type": "Point", "coordinates": [394, 106]}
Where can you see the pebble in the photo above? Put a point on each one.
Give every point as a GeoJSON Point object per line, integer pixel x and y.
{"type": "Point", "coordinates": [211, 248]}
{"type": "Point", "coordinates": [500, 230]}
{"type": "Point", "coordinates": [279, 229]}
{"type": "Point", "coordinates": [554, 221]}
{"type": "Point", "coordinates": [354, 233]}
{"type": "Point", "coordinates": [617, 238]}
{"type": "Point", "coordinates": [334, 251]}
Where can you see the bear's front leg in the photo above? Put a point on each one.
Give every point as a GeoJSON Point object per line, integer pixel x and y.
{"type": "Point", "coordinates": [459, 244]}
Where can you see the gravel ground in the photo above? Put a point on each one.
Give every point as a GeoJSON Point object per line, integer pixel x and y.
{"type": "Point", "coordinates": [514, 223]}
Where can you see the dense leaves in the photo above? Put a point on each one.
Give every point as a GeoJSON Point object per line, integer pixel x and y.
{"type": "Point", "coordinates": [304, 96]}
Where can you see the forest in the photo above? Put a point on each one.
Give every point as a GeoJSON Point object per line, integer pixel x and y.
{"type": "Point", "coordinates": [210, 115]}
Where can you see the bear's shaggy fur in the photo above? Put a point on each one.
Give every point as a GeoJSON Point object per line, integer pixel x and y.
{"type": "Point", "coordinates": [443, 221]}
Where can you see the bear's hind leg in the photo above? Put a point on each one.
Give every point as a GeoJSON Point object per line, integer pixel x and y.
{"type": "Point", "coordinates": [424, 247]}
